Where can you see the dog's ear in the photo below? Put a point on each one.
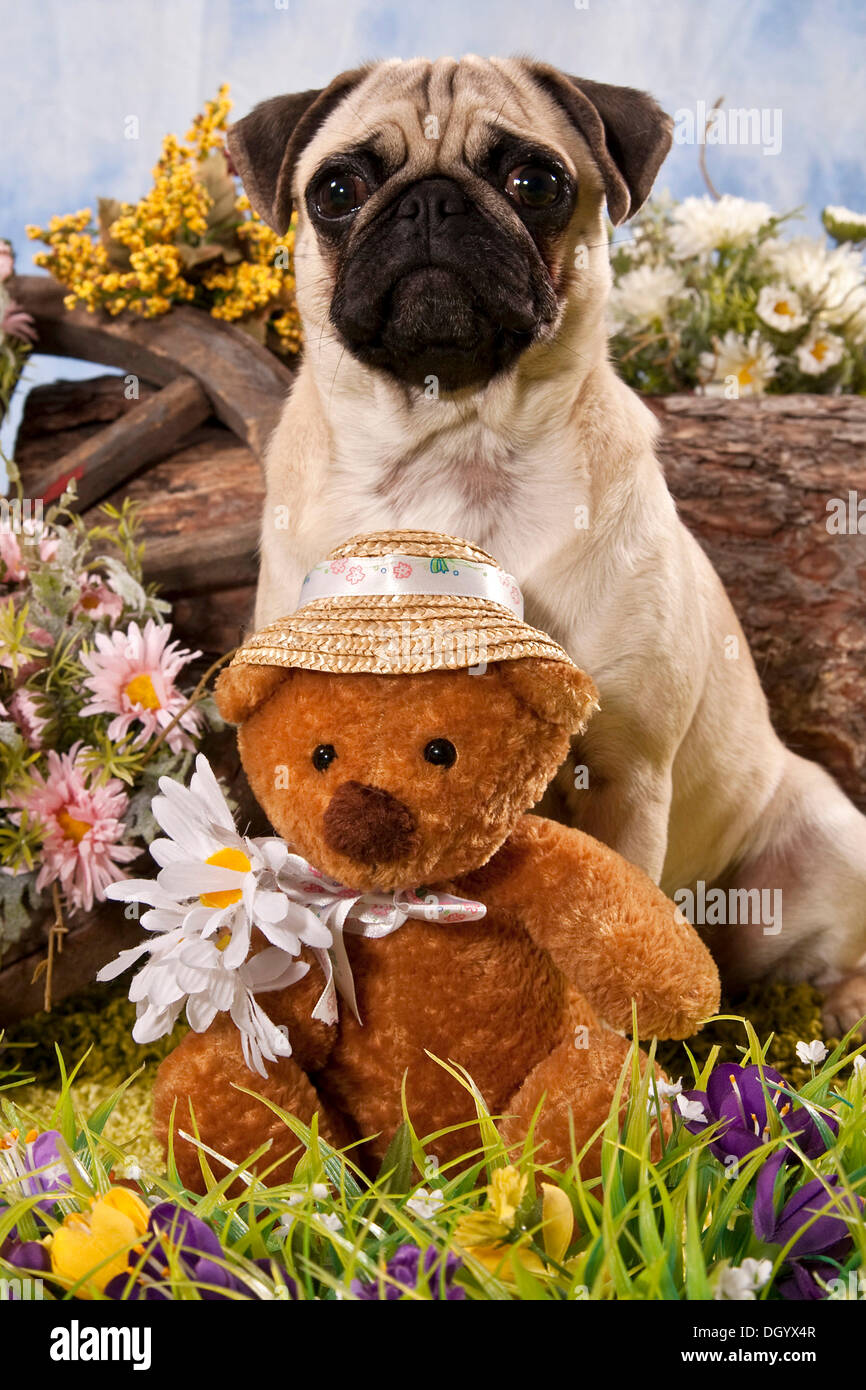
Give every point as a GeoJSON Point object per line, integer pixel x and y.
{"type": "Point", "coordinates": [264, 146]}
{"type": "Point", "coordinates": [242, 689]}
{"type": "Point", "coordinates": [626, 130]}
{"type": "Point", "coordinates": [557, 693]}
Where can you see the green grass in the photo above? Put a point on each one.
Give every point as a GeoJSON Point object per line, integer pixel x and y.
{"type": "Point", "coordinates": [662, 1223]}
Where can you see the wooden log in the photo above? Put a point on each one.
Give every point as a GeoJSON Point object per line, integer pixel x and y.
{"type": "Point", "coordinates": [117, 453]}
{"type": "Point", "coordinates": [753, 480]}
{"type": "Point", "coordinates": [86, 949]}
{"type": "Point", "coordinates": [200, 513]}
{"type": "Point", "coordinates": [245, 383]}
{"type": "Point", "coordinates": [60, 415]}
{"type": "Point", "coordinates": [216, 621]}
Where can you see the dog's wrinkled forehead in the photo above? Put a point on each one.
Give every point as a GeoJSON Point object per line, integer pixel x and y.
{"type": "Point", "coordinates": [420, 117]}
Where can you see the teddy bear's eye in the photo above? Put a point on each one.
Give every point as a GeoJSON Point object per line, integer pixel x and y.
{"type": "Point", "coordinates": [441, 752]}
{"type": "Point", "coordinates": [323, 756]}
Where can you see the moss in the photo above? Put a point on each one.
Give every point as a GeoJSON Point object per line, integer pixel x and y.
{"type": "Point", "coordinates": [94, 1018]}
{"type": "Point", "coordinates": [101, 1020]}
{"type": "Point", "coordinates": [790, 1012]}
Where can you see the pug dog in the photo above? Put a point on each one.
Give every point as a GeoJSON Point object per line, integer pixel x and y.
{"type": "Point", "coordinates": [452, 268]}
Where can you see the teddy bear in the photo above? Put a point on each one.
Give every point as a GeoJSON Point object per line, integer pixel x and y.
{"type": "Point", "coordinates": [397, 730]}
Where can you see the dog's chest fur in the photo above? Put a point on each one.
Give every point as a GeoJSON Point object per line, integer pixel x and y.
{"type": "Point", "coordinates": [515, 490]}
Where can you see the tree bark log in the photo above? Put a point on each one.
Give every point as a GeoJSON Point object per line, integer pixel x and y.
{"type": "Point", "coordinates": [756, 481]}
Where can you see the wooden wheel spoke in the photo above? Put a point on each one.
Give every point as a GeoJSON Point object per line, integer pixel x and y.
{"type": "Point", "coordinates": [145, 434]}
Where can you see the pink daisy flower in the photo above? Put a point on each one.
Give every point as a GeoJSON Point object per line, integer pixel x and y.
{"type": "Point", "coordinates": [97, 599]}
{"type": "Point", "coordinates": [27, 713]}
{"type": "Point", "coordinates": [132, 676]}
{"type": "Point", "coordinates": [13, 567]}
{"type": "Point", "coordinates": [83, 826]}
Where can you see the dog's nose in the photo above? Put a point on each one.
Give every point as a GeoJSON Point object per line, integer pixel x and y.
{"type": "Point", "coordinates": [368, 824]}
{"type": "Point", "coordinates": [431, 201]}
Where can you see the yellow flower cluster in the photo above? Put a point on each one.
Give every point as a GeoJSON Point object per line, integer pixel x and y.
{"type": "Point", "coordinates": [147, 258]}
{"type": "Point", "coordinates": [207, 131]}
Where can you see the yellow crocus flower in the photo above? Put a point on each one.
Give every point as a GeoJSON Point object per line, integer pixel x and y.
{"type": "Point", "coordinates": [104, 1236]}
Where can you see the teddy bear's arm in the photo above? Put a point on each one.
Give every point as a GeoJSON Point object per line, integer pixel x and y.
{"type": "Point", "coordinates": [613, 933]}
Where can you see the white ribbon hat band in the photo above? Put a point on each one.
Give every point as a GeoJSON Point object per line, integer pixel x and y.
{"type": "Point", "coordinates": [406, 575]}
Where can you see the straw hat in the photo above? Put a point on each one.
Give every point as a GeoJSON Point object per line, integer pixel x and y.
{"type": "Point", "coordinates": [401, 602]}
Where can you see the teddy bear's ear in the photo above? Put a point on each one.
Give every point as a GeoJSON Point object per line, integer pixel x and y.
{"type": "Point", "coordinates": [241, 689]}
{"type": "Point", "coordinates": [557, 693]}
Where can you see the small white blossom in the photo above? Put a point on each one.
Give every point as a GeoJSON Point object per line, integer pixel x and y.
{"type": "Point", "coordinates": [129, 1168]}
{"type": "Point", "coordinates": [703, 225]}
{"type": "Point", "coordinates": [331, 1221]}
{"type": "Point", "coordinates": [691, 1109]}
{"type": "Point", "coordinates": [426, 1204]}
{"type": "Point", "coordinates": [859, 1064]}
{"type": "Point", "coordinates": [645, 293]}
{"type": "Point", "coordinates": [780, 308]}
{"type": "Point", "coordinates": [821, 351]}
{"type": "Point", "coordinates": [746, 363]}
{"type": "Point", "coordinates": [739, 1283]}
{"type": "Point", "coordinates": [812, 1052]}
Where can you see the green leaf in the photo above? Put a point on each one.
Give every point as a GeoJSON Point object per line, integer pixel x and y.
{"type": "Point", "coordinates": [395, 1174]}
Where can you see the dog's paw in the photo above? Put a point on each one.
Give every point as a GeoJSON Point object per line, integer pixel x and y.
{"type": "Point", "coordinates": [845, 1006]}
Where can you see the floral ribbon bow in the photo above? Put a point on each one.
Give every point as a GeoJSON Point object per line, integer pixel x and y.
{"type": "Point", "coordinates": [344, 911]}
{"type": "Point", "coordinates": [214, 886]}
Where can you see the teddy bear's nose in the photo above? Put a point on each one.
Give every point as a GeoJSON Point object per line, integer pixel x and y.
{"type": "Point", "coordinates": [368, 824]}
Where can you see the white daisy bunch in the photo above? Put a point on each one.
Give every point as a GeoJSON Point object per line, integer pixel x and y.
{"type": "Point", "coordinates": [709, 296]}
{"type": "Point", "coordinates": [214, 887]}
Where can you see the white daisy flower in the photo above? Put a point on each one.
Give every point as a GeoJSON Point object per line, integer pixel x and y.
{"type": "Point", "coordinates": [740, 1283]}
{"type": "Point", "coordinates": [643, 294]}
{"type": "Point", "coordinates": [426, 1204]}
{"type": "Point", "coordinates": [229, 881]}
{"type": "Point", "coordinates": [812, 1052]}
{"type": "Point", "coordinates": [821, 351]}
{"type": "Point", "coordinates": [780, 308]}
{"type": "Point", "coordinates": [214, 886]}
{"type": "Point", "coordinates": [748, 363]}
{"type": "Point", "coordinates": [703, 225]}
{"type": "Point", "coordinates": [831, 279]}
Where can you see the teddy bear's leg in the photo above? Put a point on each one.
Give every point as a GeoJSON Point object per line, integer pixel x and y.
{"type": "Point", "coordinates": [201, 1070]}
{"type": "Point", "coordinates": [578, 1079]}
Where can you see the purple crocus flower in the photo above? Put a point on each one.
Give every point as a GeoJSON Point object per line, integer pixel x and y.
{"type": "Point", "coordinates": [737, 1097]}
{"type": "Point", "coordinates": [201, 1256]}
{"type": "Point", "coordinates": [820, 1246]}
{"type": "Point", "coordinates": [405, 1267]}
{"type": "Point", "coordinates": [33, 1166]}
{"type": "Point", "coordinates": [29, 1256]}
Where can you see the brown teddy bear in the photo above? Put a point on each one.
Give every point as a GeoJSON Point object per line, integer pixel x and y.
{"type": "Point", "coordinates": [396, 730]}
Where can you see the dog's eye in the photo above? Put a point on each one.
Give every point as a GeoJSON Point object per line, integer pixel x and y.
{"type": "Point", "coordinates": [323, 756]}
{"type": "Point", "coordinates": [441, 752]}
{"type": "Point", "coordinates": [533, 185]}
{"type": "Point", "coordinates": [340, 194]}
